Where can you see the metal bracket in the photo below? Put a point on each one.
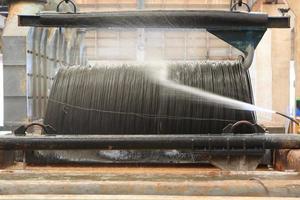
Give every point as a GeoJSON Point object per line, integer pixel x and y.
{"type": "Point", "coordinates": [240, 3]}
{"type": "Point", "coordinates": [21, 131]}
{"type": "Point", "coordinates": [284, 11]}
{"type": "Point", "coordinates": [243, 40]}
{"type": "Point", "coordinates": [243, 127]}
{"type": "Point", "coordinates": [247, 59]}
{"type": "Point", "coordinates": [67, 2]}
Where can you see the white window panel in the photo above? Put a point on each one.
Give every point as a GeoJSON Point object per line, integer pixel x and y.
{"type": "Point", "coordinates": [196, 53]}
{"type": "Point", "coordinates": [154, 53]}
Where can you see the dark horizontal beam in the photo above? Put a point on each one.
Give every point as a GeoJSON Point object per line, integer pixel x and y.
{"type": "Point", "coordinates": [195, 142]}
{"type": "Point", "coordinates": [279, 22]}
{"type": "Point", "coordinates": [215, 20]}
{"type": "Point", "coordinates": [3, 8]}
{"type": "Point", "coordinates": [4, 13]}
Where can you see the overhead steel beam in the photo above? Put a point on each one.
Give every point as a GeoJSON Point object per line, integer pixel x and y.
{"type": "Point", "coordinates": [238, 29]}
{"type": "Point", "coordinates": [213, 20]}
{"type": "Point", "coordinates": [217, 143]}
{"type": "Point", "coordinates": [4, 13]}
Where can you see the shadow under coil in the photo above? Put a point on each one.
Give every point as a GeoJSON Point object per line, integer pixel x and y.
{"type": "Point", "coordinates": [123, 99]}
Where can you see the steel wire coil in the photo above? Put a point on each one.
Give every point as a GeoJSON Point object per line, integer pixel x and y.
{"type": "Point", "coordinates": [123, 99]}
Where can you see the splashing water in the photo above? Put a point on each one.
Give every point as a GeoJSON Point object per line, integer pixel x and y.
{"type": "Point", "coordinates": [158, 71]}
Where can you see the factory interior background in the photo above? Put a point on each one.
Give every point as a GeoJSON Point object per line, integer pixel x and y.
{"type": "Point", "coordinates": [273, 71]}
{"type": "Point", "coordinates": [120, 99]}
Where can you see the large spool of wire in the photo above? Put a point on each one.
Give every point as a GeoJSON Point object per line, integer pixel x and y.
{"type": "Point", "coordinates": [124, 99]}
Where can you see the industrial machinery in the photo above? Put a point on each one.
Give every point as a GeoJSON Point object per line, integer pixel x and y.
{"type": "Point", "coordinates": [121, 114]}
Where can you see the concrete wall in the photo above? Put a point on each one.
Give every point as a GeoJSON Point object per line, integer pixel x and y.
{"type": "Point", "coordinates": [92, 5]}
{"type": "Point", "coordinates": [272, 64]}
{"type": "Point", "coordinates": [295, 8]}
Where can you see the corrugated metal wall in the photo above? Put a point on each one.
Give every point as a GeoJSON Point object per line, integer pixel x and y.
{"type": "Point", "coordinates": [47, 50]}
{"type": "Point", "coordinates": [92, 5]}
{"type": "Point", "coordinates": [156, 44]}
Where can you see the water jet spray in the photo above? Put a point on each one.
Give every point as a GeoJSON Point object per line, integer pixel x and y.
{"type": "Point", "coordinates": [159, 71]}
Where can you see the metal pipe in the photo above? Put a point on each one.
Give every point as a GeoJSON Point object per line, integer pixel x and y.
{"type": "Point", "coordinates": [249, 55]}
{"type": "Point", "coordinates": [132, 197]}
{"type": "Point", "coordinates": [217, 143]}
{"type": "Point", "coordinates": [288, 117]}
{"type": "Point", "coordinates": [123, 185]}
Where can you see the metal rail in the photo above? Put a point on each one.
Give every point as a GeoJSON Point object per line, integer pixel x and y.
{"type": "Point", "coordinates": [226, 142]}
{"type": "Point", "coordinates": [217, 20]}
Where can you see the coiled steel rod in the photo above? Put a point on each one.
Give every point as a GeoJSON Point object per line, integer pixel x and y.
{"type": "Point", "coordinates": [123, 99]}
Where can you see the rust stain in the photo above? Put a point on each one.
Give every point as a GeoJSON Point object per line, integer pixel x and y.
{"type": "Point", "coordinates": [293, 160]}
{"type": "Point", "coordinates": [280, 159]}
{"type": "Point", "coordinates": [23, 86]}
{"type": "Point", "coordinates": [121, 169]}
{"type": "Point", "coordinates": [287, 159]}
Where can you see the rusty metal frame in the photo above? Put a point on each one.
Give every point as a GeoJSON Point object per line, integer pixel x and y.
{"type": "Point", "coordinates": [133, 181]}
